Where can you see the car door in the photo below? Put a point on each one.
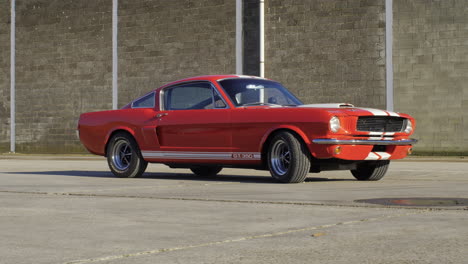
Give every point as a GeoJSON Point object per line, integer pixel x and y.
{"type": "Point", "coordinates": [193, 119]}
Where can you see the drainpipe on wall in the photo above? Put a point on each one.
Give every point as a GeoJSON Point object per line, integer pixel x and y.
{"type": "Point", "coordinates": [262, 38]}
{"type": "Point", "coordinates": [12, 77]}
{"type": "Point", "coordinates": [239, 39]}
{"type": "Point", "coordinates": [115, 21]}
{"type": "Point", "coordinates": [389, 53]}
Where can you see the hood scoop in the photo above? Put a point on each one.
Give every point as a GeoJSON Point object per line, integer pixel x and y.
{"type": "Point", "coordinates": [332, 105]}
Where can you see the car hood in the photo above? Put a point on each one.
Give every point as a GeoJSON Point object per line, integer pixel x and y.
{"type": "Point", "coordinates": [349, 109]}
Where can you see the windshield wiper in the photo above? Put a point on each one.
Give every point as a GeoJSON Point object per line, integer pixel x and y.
{"type": "Point", "coordinates": [269, 104]}
{"type": "Point", "coordinates": [260, 103]}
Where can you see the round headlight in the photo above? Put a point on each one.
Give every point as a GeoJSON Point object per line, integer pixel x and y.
{"type": "Point", "coordinates": [335, 124]}
{"type": "Point", "coordinates": [409, 127]}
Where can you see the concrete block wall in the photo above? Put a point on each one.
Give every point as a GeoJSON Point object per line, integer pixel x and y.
{"type": "Point", "coordinates": [64, 59]}
{"type": "Point", "coordinates": [4, 75]}
{"type": "Point", "coordinates": [328, 50]}
{"type": "Point", "coordinates": [63, 69]}
{"type": "Point", "coordinates": [431, 71]}
{"type": "Point", "coordinates": [323, 50]}
{"type": "Point", "coordinates": [163, 41]}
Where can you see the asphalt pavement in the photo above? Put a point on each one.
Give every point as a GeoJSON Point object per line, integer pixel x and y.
{"type": "Point", "coordinates": [70, 209]}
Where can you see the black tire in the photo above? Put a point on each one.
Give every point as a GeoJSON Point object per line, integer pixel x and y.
{"type": "Point", "coordinates": [206, 171]}
{"type": "Point", "coordinates": [124, 156]}
{"type": "Point", "coordinates": [371, 170]}
{"type": "Point", "coordinates": [288, 158]}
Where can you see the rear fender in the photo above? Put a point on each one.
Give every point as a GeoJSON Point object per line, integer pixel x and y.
{"type": "Point", "coordinates": [115, 130]}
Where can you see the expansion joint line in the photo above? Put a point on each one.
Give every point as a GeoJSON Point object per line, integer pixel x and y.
{"type": "Point", "coordinates": [240, 239]}
{"type": "Point", "coordinates": [237, 201]}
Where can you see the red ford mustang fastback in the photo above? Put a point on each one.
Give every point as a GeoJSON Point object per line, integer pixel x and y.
{"type": "Point", "coordinates": [210, 122]}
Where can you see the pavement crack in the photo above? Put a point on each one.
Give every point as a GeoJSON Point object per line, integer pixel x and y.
{"type": "Point", "coordinates": [240, 239]}
{"type": "Point", "coordinates": [236, 201]}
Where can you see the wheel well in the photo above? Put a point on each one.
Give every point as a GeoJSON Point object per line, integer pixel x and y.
{"type": "Point", "coordinates": [112, 135]}
{"type": "Point", "coordinates": [270, 138]}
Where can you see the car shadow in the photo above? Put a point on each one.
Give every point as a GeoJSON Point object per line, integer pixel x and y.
{"type": "Point", "coordinates": [173, 176]}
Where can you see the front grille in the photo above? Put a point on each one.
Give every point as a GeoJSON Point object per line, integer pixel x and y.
{"type": "Point", "coordinates": [381, 123]}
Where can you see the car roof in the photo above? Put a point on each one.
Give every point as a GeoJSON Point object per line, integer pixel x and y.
{"type": "Point", "coordinates": [212, 78]}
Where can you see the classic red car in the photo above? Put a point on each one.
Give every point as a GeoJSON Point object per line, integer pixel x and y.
{"type": "Point", "coordinates": [209, 122]}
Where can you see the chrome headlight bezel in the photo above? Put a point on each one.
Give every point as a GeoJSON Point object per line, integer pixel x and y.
{"type": "Point", "coordinates": [334, 124]}
{"type": "Point", "coordinates": [409, 126]}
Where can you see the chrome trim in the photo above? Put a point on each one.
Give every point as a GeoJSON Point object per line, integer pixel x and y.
{"type": "Point", "coordinates": [201, 155]}
{"type": "Point", "coordinates": [330, 141]}
{"type": "Point", "coordinates": [243, 77]}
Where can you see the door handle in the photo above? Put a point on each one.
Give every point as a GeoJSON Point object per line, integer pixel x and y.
{"type": "Point", "coordinates": [161, 115]}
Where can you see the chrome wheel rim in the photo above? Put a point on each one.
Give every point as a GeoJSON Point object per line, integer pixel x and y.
{"type": "Point", "coordinates": [122, 155]}
{"type": "Point", "coordinates": [280, 158]}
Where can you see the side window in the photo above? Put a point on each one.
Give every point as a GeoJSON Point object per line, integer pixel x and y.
{"type": "Point", "coordinates": [219, 103]}
{"type": "Point", "coordinates": [192, 96]}
{"type": "Point", "coordinates": [144, 102]}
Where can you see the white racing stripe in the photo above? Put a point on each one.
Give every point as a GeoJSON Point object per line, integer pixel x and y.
{"type": "Point", "coordinates": [384, 155]}
{"type": "Point", "coordinates": [372, 156]}
{"type": "Point", "coordinates": [201, 155]}
{"type": "Point", "coordinates": [393, 113]}
{"type": "Point", "coordinates": [375, 112]}
{"type": "Point", "coordinates": [378, 156]}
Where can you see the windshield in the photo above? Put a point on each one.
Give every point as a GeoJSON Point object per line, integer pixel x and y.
{"type": "Point", "coordinates": [250, 91]}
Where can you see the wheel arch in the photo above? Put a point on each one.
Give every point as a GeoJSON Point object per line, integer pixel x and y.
{"type": "Point", "coordinates": [115, 131]}
{"type": "Point", "coordinates": [266, 140]}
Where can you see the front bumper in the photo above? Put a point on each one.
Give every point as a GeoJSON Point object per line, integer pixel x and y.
{"type": "Point", "coordinates": [400, 142]}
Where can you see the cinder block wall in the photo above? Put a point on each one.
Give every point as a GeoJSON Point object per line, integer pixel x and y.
{"type": "Point", "coordinates": [323, 50]}
{"type": "Point", "coordinates": [431, 71]}
{"type": "Point", "coordinates": [163, 41]}
{"type": "Point", "coordinates": [64, 59]}
{"type": "Point", "coordinates": [4, 75]}
{"type": "Point", "coordinates": [328, 50]}
{"type": "Point", "coordinates": [63, 68]}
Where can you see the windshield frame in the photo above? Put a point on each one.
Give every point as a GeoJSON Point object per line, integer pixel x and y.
{"type": "Point", "coordinates": [284, 90]}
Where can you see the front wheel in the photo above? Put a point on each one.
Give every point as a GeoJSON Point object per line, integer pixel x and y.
{"type": "Point", "coordinates": [124, 156]}
{"type": "Point", "coordinates": [288, 158]}
{"type": "Point", "coordinates": [371, 170]}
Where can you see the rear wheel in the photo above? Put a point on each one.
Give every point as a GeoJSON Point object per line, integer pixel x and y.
{"type": "Point", "coordinates": [124, 156]}
{"type": "Point", "coordinates": [206, 171]}
{"type": "Point", "coordinates": [288, 158]}
{"type": "Point", "coordinates": [371, 170]}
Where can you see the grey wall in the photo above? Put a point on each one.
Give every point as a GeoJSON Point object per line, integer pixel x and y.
{"type": "Point", "coordinates": [63, 68]}
{"type": "Point", "coordinates": [64, 59]}
{"type": "Point", "coordinates": [328, 50]}
{"type": "Point", "coordinates": [323, 50]}
{"type": "Point", "coordinates": [431, 71]}
{"type": "Point", "coordinates": [163, 41]}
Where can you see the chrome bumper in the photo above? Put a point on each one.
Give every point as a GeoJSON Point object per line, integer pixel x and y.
{"type": "Point", "coordinates": [364, 142]}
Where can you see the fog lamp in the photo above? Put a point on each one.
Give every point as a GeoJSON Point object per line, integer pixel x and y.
{"type": "Point", "coordinates": [337, 150]}
{"type": "Point", "coordinates": [410, 151]}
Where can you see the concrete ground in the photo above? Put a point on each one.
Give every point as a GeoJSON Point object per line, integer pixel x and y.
{"type": "Point", "coordinates": [72, 210]}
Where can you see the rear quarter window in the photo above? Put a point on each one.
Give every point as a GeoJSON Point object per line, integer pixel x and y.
{"type": "Point", "coordinates": [146, 101]}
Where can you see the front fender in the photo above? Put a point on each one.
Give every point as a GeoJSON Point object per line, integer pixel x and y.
{"type": "Point", "coordinates": [295, 129]}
